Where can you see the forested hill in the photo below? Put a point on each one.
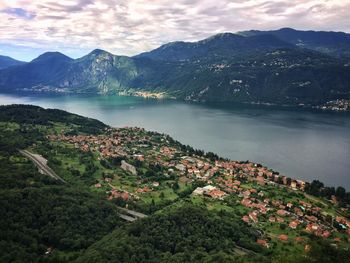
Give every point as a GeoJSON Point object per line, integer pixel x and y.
{"type": "Point", "coordinates": [283, 67]}
{"type": "Point", "coordinates": [6, 62]}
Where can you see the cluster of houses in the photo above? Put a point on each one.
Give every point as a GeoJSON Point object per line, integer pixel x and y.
{"type": "Point", "coordinates": [300, 215]}
{"type": "Point", "coordinates": [210, 191]}
{"type": "Point", "coordinates": [255, 172]}
{"type": "Point", "coordinates": [336, 105]}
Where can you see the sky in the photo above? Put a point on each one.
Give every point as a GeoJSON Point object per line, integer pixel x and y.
{"type": "Point", "coordinates": [128, 27]}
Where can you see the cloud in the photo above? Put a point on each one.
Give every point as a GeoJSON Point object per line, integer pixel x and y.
{"type": "Point", "coordinates": [128, 27]}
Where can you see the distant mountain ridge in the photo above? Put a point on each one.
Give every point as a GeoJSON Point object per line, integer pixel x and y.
{"type": "Point", "coordinates": [332, 43]}
{"type": "Point", "coordinates": [6, 62]}
{"type": "Point", "coordinates": [220, 45]}
{"type": "Point", "coordinates": [251, 66]}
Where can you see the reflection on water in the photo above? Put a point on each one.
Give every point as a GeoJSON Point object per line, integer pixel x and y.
{"type": "Point", "coordinates": [300, 144]}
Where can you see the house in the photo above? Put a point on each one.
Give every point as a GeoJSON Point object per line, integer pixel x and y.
{"type": "Point", "coordinates": [181, 167]}
{"type": "Point", "coordinates": [246, 193]}
{"type": "Point", "coordinates": [279, 219]}
{"type": "Point", "coordinates": [198, 191]}
{"type": "Point", "coordinates": [294, 224]}
{"type": "Point", "coordinates": [326, 234]}
{"type": "Point", "coordinates": [145, 189]}
{"type": "Point", "coordinates": [49, 250]}
{"type": "Point", "coordinates": [253, 216]}
{"type": "Point", "coordinates": [209, 188]}
{"type": "Point", "coordinates": [311, 227]}
{"type": "Point", "coordinates": [118, 194]}
{"type": "Point", "coordinates": [245, 218]}
{"type": "Point", "coordinates": [311, 218]}
{"type": "Point", "coordinates": [299, 239]}
{"type": "Point", "coordinates": [282, 212]}
{"type": "Point", "coordinates": [246, 202]}
{"type": "Point", "coordinates": [155, 184]}
{"type": "Point", "coordinates": [217, 194]}
{"type": "Point", "coordinates": [260, 180]}
{"type": "Point", "coordinates": [263, 242]}
{"type": "Point", "coordinates": [128, 167]}
{"type": "Point", "coordinates": [283, 237]}
{"type": "Point", "coordinates": [139, 157]}
{"type": "Point", "coordinates": [307, 248]}
{"type": "Point", "coordinates": [289, 205]}
{"type": "Point", "coordinates": [272, 219]}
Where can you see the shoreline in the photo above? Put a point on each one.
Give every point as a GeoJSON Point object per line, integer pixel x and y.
{"type": "Point", "coordinates": [163, 96]}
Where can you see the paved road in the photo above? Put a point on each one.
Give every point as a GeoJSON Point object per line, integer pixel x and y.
{"type": "Point", "coordinates": [131, 212]}
{"type": "Point", "coordinates": [40, 162]}
{"type": "Point", "coordinates": [127, 218]}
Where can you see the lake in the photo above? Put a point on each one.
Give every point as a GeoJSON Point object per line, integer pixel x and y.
{"type": "Point", "coordinates": [298, 143]}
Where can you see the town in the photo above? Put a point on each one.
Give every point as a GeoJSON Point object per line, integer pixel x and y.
{"type": "Point", "coordinates": [265, 198]}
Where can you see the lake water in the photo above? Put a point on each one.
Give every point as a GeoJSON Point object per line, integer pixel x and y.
{"type": "Point", "coordinates": [300, 144]}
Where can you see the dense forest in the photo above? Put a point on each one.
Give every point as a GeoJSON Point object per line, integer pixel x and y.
{"type": "Point", "coordinates": [38, 214]}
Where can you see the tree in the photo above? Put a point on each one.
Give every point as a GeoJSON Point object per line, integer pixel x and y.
{"type": "Point", "coordinates": [340, 192]}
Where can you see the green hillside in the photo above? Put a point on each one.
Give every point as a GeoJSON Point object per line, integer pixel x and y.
{"type": "Point", "coordinates": [197, 207]}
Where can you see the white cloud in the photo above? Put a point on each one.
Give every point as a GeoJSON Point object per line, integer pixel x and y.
{"type": "Point", "coordinates": [131, 26]}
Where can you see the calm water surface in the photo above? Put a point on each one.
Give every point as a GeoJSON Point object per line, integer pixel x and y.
{"type": "Point", "coordinates": [299, 144]}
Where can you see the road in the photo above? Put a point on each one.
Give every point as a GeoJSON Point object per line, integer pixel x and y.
{"type": "Point", "coordinates": [127, 218]}
{"type": "Point", "coordinates": [131, 212]}
{"type": "Point", "coordinates": [40, 162]}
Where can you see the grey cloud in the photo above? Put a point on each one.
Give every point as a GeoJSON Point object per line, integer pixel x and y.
{"type": "Point", "coordinates": [131, 26]}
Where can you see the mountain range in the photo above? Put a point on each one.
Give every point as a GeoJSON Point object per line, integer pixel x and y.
{"type": "Point", "coordinates": [6, 62]}
{"type": "Point", "coordinates": [283, 66]}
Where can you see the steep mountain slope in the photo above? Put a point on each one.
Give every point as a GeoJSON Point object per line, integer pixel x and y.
{"type": "Point", "coordinates": [6, 62]}
{"type": "Point", "coordinates": [98, 72]}
{"type": "Point", "coordinates": [333, 43]}
{"type": "Point", "coordinates": [215, 47]}
{"type": "Point", "coordinates": [289, 76]}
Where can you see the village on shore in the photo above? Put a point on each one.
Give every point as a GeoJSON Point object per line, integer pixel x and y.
{"type": "Point", "coordinates": [247, 181]}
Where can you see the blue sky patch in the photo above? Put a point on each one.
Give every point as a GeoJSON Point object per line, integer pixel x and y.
{"type": "Point", "coordinates": [19, 12]}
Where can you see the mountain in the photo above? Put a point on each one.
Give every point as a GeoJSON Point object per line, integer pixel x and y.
{"type": "Point", "coordinates": [56, 72]}
{"type": "Point", "coordinates": [99, 72]}
{"type": "Point", "coordinates": [45, 70]}
{"type": "Point", "coordinates": [332, 43]}
{"type": "Point", "coordinates": [217, 46]}
{"type": "Point", "coordinates": [6, 62]}
{"type": "Point", "coordinates": [225, 67]}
